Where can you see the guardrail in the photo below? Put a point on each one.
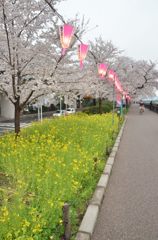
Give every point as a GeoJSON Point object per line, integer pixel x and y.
{"type": "Point", "coordinates": [152, 106]}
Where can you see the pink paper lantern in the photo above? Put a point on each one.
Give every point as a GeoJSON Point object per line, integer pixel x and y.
{"type": "Point", "coordinates": [124, 93]}
{"type": "Point", "coordinates": [118, 85]}
{"type": "Point", "coordinates": [128, 98]}
{"type": "Point", "coordinates": [102, 70]}
{"type": "Point", "coordinates": [118, 99]}
{"type": "Point", "coordinates": [111, 75]}
{"type": "Point", "coordinates": [82, 53]}
{"type": "Point", "coordinates": [66, 33]}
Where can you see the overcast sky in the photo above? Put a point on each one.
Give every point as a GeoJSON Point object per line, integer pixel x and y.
{"type": "Point", "coordinates": [132, 25]}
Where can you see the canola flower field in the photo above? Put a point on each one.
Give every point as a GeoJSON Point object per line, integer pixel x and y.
{"type": "Point", "coordinates": [50, 164]}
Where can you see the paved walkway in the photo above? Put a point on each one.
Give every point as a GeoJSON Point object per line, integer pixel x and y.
{"type": "Point", "coordinates": [130, 206]}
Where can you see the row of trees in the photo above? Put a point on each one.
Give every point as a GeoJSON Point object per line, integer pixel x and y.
{"type": "Point", "coordinates": [31, 64]}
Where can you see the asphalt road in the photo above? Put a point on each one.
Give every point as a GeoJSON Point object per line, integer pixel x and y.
{"type": "Point", "coordinates": [7, 125]}
{"type": "Point", "coordinates": [130, 206]}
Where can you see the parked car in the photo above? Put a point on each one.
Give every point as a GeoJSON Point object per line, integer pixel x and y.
{"type": "Point", "coordinates": [26, 110]}
{"type": "Point", "coordinates": [70, 110]}
{"type": "Point", "coordinates": [59, 113]}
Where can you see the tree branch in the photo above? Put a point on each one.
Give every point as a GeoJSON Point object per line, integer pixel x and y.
{"type": "Point", "coordinates": [22, 105]}
{"type": "Point", "coordinates": [27, 63]}
{"type": "Point", "coordinates": [4, 58]}
{"type": "Point", "coordinates": [59, 60]}
{"type": "Point", "coordinates": [6, 93]}
{"type": "Point", "coordinates": [55, 11]}
{"type": "Point", "coordinates": [27, 24]}
{"type": "Point", "coordinates": [40, 95]}
{"type": "Point", "coordinates": [7, 34]}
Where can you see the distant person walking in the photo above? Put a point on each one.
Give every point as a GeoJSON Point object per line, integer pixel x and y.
{"type": "Point", "coordinates": [141, 106]}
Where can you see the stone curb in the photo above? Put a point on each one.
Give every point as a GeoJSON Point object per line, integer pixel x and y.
{"type": "Point", "coordinates": [87, 226]}
{"type": "Point", "coordinates": [107, 169]}
{"type": "Point", "coordinates": [103, 180]}
{"type": "Point", "coordinates": [89, 220]}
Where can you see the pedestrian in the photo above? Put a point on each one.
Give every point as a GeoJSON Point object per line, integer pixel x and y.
{"type": "Point", "coordinates": [141, 106]}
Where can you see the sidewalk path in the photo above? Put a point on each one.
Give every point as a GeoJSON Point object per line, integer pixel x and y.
{"type": "Point", "coordinates": [130, 206]}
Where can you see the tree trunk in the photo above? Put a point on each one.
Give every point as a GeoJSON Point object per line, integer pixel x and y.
{"type": "Point", "coordinates": [94, 102]}
{"type": "Point", "coordinates": [17, 116]}
{"type": "Point", "coordinates": [100, 105]}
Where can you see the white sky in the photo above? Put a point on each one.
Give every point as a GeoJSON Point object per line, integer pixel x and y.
{"type": "Point", "coordinates": [132, 25]}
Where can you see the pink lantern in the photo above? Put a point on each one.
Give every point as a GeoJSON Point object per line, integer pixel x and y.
{"type": "Point", "coordinates": [82, 53]}
{"type": "Point", "coordinates": [128, 98]}
{"type": "Point", "coordinates": [66, 33]}
{"type": "Point", "coordinates": [124, 93]}
{"type": "Point", "coordinates": [102, 70]}
{"type": "Point", "coordinates": [118, 99]}
{"type": "Point", "coordinates": [118, 85]}
{"type": "Point", "coordinates": [111, 75]}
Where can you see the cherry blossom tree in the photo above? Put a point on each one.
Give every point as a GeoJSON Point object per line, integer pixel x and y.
{"type": "Point", "coordinates": [102, 52]}
{"type": "Point", "coordinates": [30, 51]}
{"type": "Point", "coordinates": [137, 77]}
{"type": "Point", "coordinates": [31, 64]}
{"type": "Point", "coordinates": [23, 27]}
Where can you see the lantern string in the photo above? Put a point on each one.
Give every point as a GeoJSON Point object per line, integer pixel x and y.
{"type": "Point", "coordinates": [77, 37]}
{"type": "Point", "coordinates": [55, 11]}
{"type": "Point", "coordinates": [62, 19]}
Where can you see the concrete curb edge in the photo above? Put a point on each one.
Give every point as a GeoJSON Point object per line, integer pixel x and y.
{"type": "Point", "coordinates": [88, 223]}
